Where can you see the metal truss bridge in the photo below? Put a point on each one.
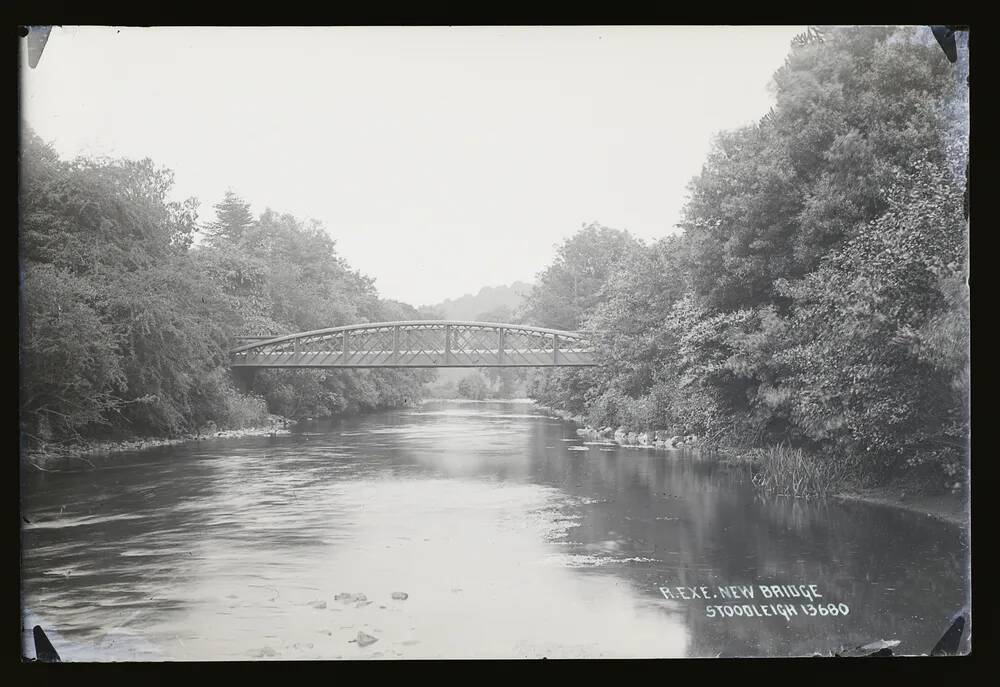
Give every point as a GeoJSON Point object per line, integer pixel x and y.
{"type": "Point", "coordinates": [419, 343]}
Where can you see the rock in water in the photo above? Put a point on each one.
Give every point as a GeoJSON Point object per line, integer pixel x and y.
{"type": "Point", "coordinates": [348, 597]}
{"type": "Point", "coordinates": [400, 596]}
{"type": "Point", "coordinates": [365, 640]}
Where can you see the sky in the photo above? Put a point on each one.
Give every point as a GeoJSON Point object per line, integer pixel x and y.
{"type": "Point", "coordinates": [440, 159]}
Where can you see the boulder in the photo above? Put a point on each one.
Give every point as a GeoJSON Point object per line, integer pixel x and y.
{"type": "Point", "coordinates": [365, 640]}
{"type": "Point", "coordinates": [674, 442]}
{"type": "Point", "coordinates": [645, 438]}
{"type": "Point", "coordinates": [348, 597]}
{"type": "Point", "coordinates": [400, 596]}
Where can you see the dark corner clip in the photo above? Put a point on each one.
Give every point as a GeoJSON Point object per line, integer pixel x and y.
{"type": "Point", "coordinates": [945, 36]}
{"type": "Point", "coordinates": [44, 651]}
{"type": "Point", "coordinates": [37, 37]}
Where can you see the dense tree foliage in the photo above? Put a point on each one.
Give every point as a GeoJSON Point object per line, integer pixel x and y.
{"type": "Point", "coordinates": [473, 386]}
{"type": "Point", "coordinates": [126, 322]}
{"type": "Point", "coordinates": [568, 290]}
{"type": "Point", "coordinates": [565, 296]}
{"type": "Point", "coordinates": [818, 294]}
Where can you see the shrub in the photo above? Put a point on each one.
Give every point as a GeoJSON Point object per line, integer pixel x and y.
{"type": "Point", "coordinates": [241, 410]}
{"type": "Point", "coordinates": [473, 386]}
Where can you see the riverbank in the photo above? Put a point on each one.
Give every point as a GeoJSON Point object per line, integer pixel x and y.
{"type": "Point", "coordinates": [50, 455]}
{"type": "Point", "coordinates": [953, 507]}
{"type": "Point", "coordinates": [655, 439]}
{"type": "Point", "coordinates": [950, 507]}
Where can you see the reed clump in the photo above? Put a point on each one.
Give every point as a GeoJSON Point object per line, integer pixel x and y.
{"type": "Point", "coordinates": [791, 471]}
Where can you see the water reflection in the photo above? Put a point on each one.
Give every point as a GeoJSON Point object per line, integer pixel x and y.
{"type": "Point", "coordinates": [507, 542]}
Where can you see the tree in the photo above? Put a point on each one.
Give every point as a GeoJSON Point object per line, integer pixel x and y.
{"type": "Point", "coordinates": [565, 296]}
{"type": "Point", "coordinates": [119, 326]}
{"type": "Point", "coordinates": [851, 110]}
{"type": "Point", "coordinates": [818, 295]}
{"type": "Point", "coordinates": [880, 332]}
{"type": "Point", "coordinates": [71, 372]}
{"type": "Point", "coordinates": [568, 290]}
{"type": "Point", "coordinates": [126, 326]}
{"type": "Point", "coordinates": [233, 220]}
{"type": "Point", "coordinates": [473, 387]}
{"type": "Point", "coordinates": [635, 348]}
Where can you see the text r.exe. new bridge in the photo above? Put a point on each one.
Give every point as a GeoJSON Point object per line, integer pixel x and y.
{"type": "Point", "coordinates": [418, 343]}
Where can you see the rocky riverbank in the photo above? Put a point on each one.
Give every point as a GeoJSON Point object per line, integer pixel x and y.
{"type": "Point", "coordinates": [649, 439]}
{"type": "Point", "coordinates": [53, 456]}
{"type": "Point", "coordinates": [623, 436]}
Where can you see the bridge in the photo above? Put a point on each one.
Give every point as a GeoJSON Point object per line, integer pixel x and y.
{"type": "Point", "coordinates": [419, 343]}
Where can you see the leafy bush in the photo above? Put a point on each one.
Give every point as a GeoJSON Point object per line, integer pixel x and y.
{"type": "Point", "coordinates": [473, 386]}
{"type": "Point", "coordinates": [242, 410]}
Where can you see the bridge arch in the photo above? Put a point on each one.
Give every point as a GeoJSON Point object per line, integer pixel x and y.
{"type": "Point", "coordinates": [417, 343]}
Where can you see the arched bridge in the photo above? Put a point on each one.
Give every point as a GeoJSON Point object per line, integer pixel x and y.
{"type": "Point", "coordinates": [419, 343]}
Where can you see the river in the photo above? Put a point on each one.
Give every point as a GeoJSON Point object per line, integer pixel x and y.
{"type": "Point", "coordinates": [509, 536]}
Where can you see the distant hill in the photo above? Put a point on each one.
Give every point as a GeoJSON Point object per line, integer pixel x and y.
{"type": "Point", "coordinates": [490, 299]}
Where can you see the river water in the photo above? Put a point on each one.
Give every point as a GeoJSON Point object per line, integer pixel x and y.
{"type": "Point", "coordinates": [509, 535]}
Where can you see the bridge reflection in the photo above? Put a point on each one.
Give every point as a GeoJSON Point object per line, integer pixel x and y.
{"type": "Point", "coordinates": [419, 343]}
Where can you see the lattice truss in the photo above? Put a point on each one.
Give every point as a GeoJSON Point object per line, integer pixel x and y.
{"type": "Point", "coordinates": [420, 344]}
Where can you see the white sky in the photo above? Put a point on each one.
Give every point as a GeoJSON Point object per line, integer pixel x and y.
{"type": "Point", "coordinates": [440, 159]}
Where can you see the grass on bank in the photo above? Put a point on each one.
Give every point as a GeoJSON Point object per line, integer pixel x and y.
{"type": "Point", "coordinates": [791, 471]}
